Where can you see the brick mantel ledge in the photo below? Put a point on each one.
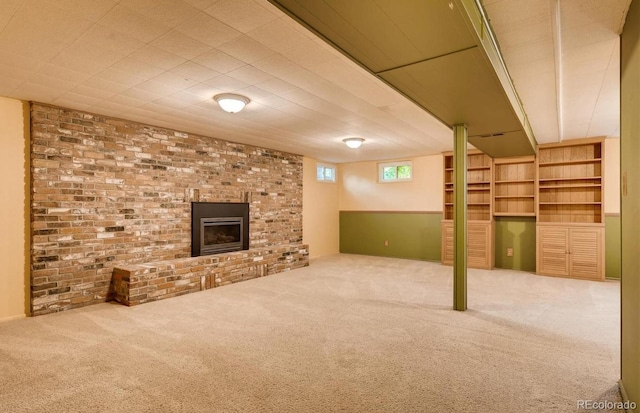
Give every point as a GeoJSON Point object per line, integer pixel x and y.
{"type": "Point", "coordinates": [134, 284]}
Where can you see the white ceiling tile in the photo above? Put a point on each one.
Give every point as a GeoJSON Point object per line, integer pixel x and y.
{"type": "Point", "coordinates": [246, 49]}
{"type": "Point", "coordinates": [249, 75]}
{"type": "Point", "coordinates": [8, 86]}
{"type": "Point", "coordinates": [129, 22]}
{"type": "Point", "coordinates": [309, 53]}
{"type": "Point", "coordinates": [208, 30]}
{"type": "Point", "coordinates": [105, 85]}
{"type": "Point", "coordinates": [201, 4]}
{"type": "Point", "coordinates": [12, 72]}
{"type": "Point", "coordinates": [173, 103]}
{"type": "Point", "coordinates": [218, 61]}
{"type": "Point", "coordinates": [9, 8]}
{"type": "Point", "coordinates": [138, 68]}
{"type": "Point", "coordinates": [278, 36]}
{"type": "Point", "coordinates": [244, 15]}
{"type": "Point", "coordinates": [90, 10]}
{"type": "Point", "coordinates": [52, 82]}
{"type": "Point", "coordinates": [83, 90]}
{"type": "Point", "coordinates": [157, 57]}
{"type": "Point", "coordinates": [173, 82]}
{"type": "Point", "coordinates": [71, 100]}
{"type": "Point", "coordinates": [141, 94]}
{"type": "Point", "coordinates": [167, 12]}
{"type": "Point", "coordinates": [276, 65]}
{"type": "Point", "coordinates": [226, 83]}
{"type": "Point", "coordinates": [121, 76]}
{"type": "Point", "coordinates": [156, 107]}
{"type": "Point", "coordinates": [101, 37]}
{"type": "Point", "coordinates": [180, 45]}
{"type": "Point", "coordinates": [189, 98]}
{"type": "Point", "coordinates": [87, 60]}
{"type": "Point", "coordinates": [276, 86]}
{"type": "Point", "coordinates": [127, 101]}
{"type": "Point", "coordinates": [203, 90]}
{"type": "Point", "coordinates": [33, 91]}
{"type": "Point", "coordinates": [159, 88]}
{"type": "Point", "coordinates": [63, 73]}
{"type": "Point", "coordinates": [195, 71]}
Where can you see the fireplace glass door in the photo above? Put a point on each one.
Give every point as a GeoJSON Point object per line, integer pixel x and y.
{"type": "Point", "coordinates": [220, 235]}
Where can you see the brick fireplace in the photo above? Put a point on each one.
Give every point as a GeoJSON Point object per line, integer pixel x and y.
{"type": "Point", "coordinates": [109, 192]}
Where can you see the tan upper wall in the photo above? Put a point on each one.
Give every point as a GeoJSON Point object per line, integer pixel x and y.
{"type": "Point", "coordinates": [361, 191]}
{"type": "Point", "coordinates": [320, 214]}
{"type": "Point", "coordinates": [612, 176]}
{"type": "Point", "coordinates": [14, 215]}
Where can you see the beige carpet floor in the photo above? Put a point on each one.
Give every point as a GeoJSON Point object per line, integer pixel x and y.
{"type": "Point", "coordinates": [348, 334]}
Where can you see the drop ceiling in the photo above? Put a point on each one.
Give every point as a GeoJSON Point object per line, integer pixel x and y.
{"type": "Point", "coordinates": [161, 62]}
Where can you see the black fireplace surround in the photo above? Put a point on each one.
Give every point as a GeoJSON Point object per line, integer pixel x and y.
{"type": "Point", "coordinates": [219, 227]}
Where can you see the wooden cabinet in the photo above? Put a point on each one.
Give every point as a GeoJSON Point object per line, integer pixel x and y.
{"type": "Point", "coordinates": [514, 182]}
{"type": "Point", "coordinates": [570, 229]}
{"type": "Point", "coordinates": [480, 253]}
{"type": "Point", "coordinates": [575, 251]}
{"type": "Point", "coordinates": [480, 230]}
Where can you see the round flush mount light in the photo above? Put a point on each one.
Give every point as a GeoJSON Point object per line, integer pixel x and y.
{"type": "Point", "coordinates": [230, 102]}
{"type": "Point", "coordinates": [353, 143]}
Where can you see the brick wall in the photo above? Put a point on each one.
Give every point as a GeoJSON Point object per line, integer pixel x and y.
{"type": "Point", "coordinates": [108, 191]}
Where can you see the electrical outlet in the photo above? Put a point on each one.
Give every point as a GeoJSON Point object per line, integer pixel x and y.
{"type": "Point", "coordinates": [509, 252]}
{"type": "Point", "coordinates": [386, 243]}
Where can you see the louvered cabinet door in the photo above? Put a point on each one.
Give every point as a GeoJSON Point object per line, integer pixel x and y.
{"type": "Point", "coordinates": [447, 243]}
{"type": "Point", "coordinates": [586, 253]}
{"type": "Point", "coordinates": [479, 245]}
{"type": "Point", "coordinates": [552, 255]}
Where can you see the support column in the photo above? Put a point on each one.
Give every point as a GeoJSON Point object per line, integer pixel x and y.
{"type": "Point", "coordinates": [460, 217]}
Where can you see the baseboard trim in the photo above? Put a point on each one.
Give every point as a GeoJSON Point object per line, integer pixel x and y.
{"type": "Point", "coordinates": [623, 392]}
{"type": "Point", "coordinates": [13, 317]}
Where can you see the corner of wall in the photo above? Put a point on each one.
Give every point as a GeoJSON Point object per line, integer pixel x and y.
{"type": "Point", "coordinates": [26, 122]}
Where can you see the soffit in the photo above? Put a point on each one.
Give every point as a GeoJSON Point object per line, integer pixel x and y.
{"type": "Point", "coordinates": [435, 53]}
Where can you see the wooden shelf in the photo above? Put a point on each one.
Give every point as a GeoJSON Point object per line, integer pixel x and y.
{"type": "Point", "coordinates": [514, 214]}
{"type": "Point", "coordinates": [521, 181]}
{"type": "Point", "coordinates": [579, 178]}
{"type": "Point", "coordinates": [571, 203]}
{"type": "Point", "coordinates": [572, 162]}
{"type": "Point", "coordinates": [514, 196]}
{"type": "Point", "coordinates": [479, 168]}
{"type": "Point", "coordinates": [570, 186]}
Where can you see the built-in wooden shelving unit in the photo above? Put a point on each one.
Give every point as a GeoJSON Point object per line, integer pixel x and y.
{"type": "Point", "coordinates": [562, 187]}
{"type": "Point", "coordinates": [480, 253]}
{"type": "Point", "coordinates": [570, 228]}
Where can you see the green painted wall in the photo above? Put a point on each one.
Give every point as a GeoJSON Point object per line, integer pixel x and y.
{"type": "Point", "coordinates": [518, 233]}
{"type": "Point", "coordinates": [612, 246]}
{"type": "Point", "coordinates": [414, 235]}
{"type": "Point", "coordinates": [630, 203]}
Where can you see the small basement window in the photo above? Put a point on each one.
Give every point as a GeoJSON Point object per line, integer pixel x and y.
{"type": "Point", "coordinates": [395, 171]}
{"type": "Point", "coordinates": [326, 172]}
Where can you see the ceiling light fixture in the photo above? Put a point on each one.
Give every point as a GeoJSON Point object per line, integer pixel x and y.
{"type": "Point", "coordinates": [353, 143]}
{"type": "Point", "coordinates": [230, 102]}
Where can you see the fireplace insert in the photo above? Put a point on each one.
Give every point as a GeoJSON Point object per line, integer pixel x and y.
{"type": "Point", "coordinates": [219, 227]}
